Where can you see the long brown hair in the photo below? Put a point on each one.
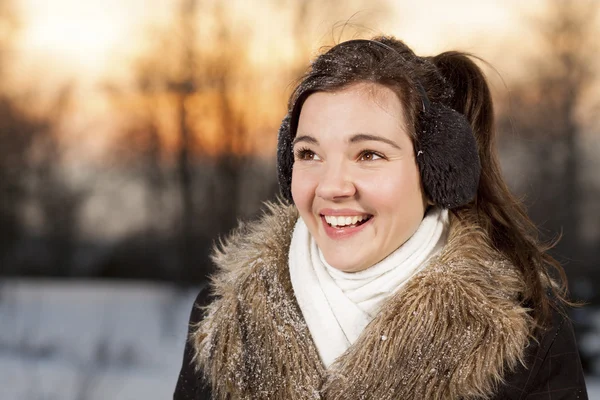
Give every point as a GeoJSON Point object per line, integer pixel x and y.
{"type": "Point", "coordinates": [453, 79]}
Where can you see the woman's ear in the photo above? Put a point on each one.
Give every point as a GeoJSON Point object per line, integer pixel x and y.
{"type": "Point", "coordinates": [426, 200]}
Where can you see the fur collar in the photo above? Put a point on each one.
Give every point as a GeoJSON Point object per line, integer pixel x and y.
{"type": "Point", "coordinates": [453, 331]}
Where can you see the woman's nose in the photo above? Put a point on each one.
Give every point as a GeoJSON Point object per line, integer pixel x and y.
{"type": "Point", "coordinates": [335, 183]}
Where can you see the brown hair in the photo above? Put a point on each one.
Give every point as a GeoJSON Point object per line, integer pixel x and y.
{"type": "Point", "coordinates": [453, 79]}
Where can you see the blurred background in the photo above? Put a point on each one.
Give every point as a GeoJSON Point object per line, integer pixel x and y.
{"type": "Point", "coordinates": [135, 133]}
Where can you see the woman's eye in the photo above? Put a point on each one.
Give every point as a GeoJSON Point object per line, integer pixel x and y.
{"type": "Point", "coordinates": [369, 156]}
{"type": "Point", "coordinates": [306, 155]}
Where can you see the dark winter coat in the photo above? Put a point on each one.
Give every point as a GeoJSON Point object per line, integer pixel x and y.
{"type": "Point", "coordinates": [457, 330]}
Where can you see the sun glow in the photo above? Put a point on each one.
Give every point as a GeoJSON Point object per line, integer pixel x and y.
{"type": "Point", "coordinates": [85, 42]}
{"type": "Point", "coordinates": [82, 37]}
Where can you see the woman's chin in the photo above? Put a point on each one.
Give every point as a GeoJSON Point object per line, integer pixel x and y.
{"type": "Point", "coordinates": [344, 265]}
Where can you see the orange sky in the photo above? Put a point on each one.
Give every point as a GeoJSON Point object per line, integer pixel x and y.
{"type": "Point", "coordinates": [87, 37]}
{"type": "Point", "coordinates": [83, 37]}
{"type": "Point", "coordinates": [89, 42]}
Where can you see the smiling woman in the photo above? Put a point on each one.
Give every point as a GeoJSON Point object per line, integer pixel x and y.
{"type": "Point", "coordinates": [399, 266]}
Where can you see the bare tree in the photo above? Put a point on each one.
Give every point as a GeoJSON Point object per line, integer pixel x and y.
{"type": "Point", "coordinates": [16, 136]}
{"type": "Point", "coordinates": [30, 158]}
{"type": "Point", "coordinates": [211, 85]}
{"type": "Point", "coordinates": [10, 154]}
{"type": "Point", "coordinates": [182, 70]}
{"type": "Point", "coordinates": [184, 87]}
{"type": "Point", "coordinates": [57, 200]}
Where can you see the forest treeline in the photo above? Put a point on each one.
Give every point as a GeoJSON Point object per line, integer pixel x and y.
{"type": "Point", "coordinates": [200, 112]}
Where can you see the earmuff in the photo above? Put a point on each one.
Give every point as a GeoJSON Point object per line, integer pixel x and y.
{"type": "Point", "coordinates": [445, 148]}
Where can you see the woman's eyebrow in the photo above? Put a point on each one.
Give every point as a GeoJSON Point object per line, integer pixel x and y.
{"type": "Point", "coordinates": [363, 137]}
{"type": "Point", "coordinates": [305, 138]}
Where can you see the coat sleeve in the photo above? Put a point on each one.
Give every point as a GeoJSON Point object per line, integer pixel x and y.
{"type": "Point", "coordinates": [190, 384]}
{"type": "Point", "coordinates": [553, 370]}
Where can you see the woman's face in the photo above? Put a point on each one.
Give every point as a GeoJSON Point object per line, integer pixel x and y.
{"type": "Point", "coordinates": [355, 179]}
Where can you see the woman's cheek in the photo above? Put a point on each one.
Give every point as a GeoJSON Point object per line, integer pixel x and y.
{"type": "Point", "coordinates": [303, 186]}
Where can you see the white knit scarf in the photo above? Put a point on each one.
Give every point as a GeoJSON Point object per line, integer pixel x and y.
{"type": "Point", "coordinates": [338, 305]}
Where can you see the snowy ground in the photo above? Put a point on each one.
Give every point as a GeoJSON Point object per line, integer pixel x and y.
{"type": "Point", "coordinates": [96, 341]}
{"type": "Point", "coordinates": [88, 340]}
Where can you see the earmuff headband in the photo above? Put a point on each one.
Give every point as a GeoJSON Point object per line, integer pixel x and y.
{"type": "Point", "coordinates": [445, 149]}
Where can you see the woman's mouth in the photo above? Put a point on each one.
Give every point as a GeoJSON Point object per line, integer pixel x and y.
{"type": "Point", "coordinates": [345, 226]}
{"type": "Point", "coordinates": [341, 222]}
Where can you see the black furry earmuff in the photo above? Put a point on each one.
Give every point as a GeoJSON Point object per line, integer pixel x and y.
{"type": "Point", "coordinates": [447, 157]}
{"type": "Point", "coordinates": [446, 153]}
{"type": "Point", "coordinates": [285, 159]}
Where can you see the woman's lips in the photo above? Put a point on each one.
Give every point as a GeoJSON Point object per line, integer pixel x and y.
{"type": "Point", "coordinates": [343, 232]}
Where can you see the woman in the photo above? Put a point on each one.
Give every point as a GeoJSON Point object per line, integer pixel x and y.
{"type": "Point", "coordinates": [402, 267]}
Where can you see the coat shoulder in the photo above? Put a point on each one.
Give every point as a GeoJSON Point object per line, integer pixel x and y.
{"type": "Point", "coordinates": [251, 248]}
{"type": "Point", "coordinates": [190, 384]}
{"type": "Point", "coordinates": [552, 368]}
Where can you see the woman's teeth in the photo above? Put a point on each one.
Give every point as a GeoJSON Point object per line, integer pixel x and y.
{"type": "Point", "coordinates": [344, 221]}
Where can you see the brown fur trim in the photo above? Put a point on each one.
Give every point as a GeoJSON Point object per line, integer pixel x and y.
{"type": "Point", "coordinates": [452, 332]}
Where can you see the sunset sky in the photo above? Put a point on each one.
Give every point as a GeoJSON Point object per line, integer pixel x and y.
{"type": "Point", "coordinates": [87, 39]}
{"type": "Point", "coordinates": [82, 38]}
{"type": "Point", "coordinates": [94, 43]}
{"type": "Point", "coordinates": [91, 44]}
